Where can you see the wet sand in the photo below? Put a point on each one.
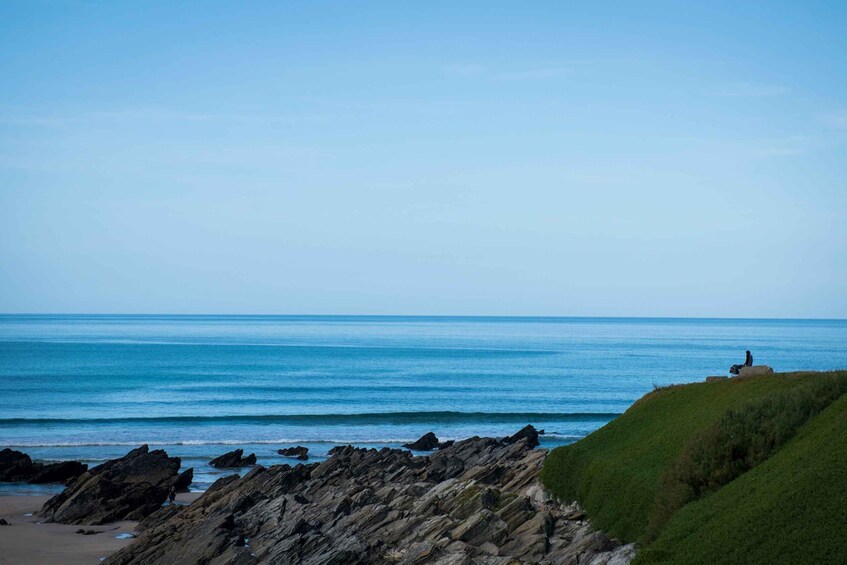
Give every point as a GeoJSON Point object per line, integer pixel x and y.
{"type": "Point", "coordinates": [26, 541]}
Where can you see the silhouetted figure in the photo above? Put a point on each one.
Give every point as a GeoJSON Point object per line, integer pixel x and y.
{"type": "Point", "coordinates": [748, 362]}
{"type": "Point", "coordinates": [172, 495]}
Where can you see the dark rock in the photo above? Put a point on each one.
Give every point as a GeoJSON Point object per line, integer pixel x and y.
{"type": "Point", "coordinates": [183, 481]}
{"type": "Point", "coordinates": [3, 522]}
{"type": "Point", "coordinates": [299, 452]}
{"type": "Point", "coordinates": [427, 442]}
{"type": "Point", "coordinates": [443, 468]}
{"type": "Point", "coordinates": [63, 472]}
{"type": "Point", "coordinates": [161, 515]}
{"type": "Point", "coordinates": [128, 488]}
{"type": "Point", "coordinates": [233, 460]}
{"type": "Point", "coordinates": [379, 506]}
{"type": "Point", "coordinates": [445, 444]}
{"type": "Point", "coordinates": [528, 433]}
{"type": "Point", "coordinates": [88, 532]}
{"type": "Point", "coordinates": [16, 466]}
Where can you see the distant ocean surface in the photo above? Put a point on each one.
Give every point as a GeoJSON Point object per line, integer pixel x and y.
{"type": "Point", "coordinates": [92, 387]}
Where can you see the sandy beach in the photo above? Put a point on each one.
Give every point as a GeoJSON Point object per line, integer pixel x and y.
{"type": "Point", "coordinates": [27, 541]}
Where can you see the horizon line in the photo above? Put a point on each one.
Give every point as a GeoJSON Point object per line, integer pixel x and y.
{"type": "Point", "coordinates": [442, 316]}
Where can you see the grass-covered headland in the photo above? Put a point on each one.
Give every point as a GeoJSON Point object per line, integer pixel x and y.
{"type": "Point", "coordinates": [745, 470]}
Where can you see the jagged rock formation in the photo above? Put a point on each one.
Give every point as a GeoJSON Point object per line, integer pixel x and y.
{"type": "Point", "coordinates": [15, 466]}
{"type": "Point", "coordinates": [233, 460]}
{"type": "Point", "coordinates": [62, 472]}
{"type": "Point", "coordinates": [128, 488]}
{"type": "Point", "coordinates": [529, 433]}
{"type": "Point", "coordinates": [426, 442]}
{"type": "Point", "coordinates": [19, 467]}
{"type": "Point", "coordinates": [299, 452]}
{"type": "Point", "coordinates": [477, 501]}
{"type": "Point", "coordinates": [183, 481]}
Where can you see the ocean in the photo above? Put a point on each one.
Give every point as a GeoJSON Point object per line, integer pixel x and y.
{"type": "Point", "coordinates": [91, 388]}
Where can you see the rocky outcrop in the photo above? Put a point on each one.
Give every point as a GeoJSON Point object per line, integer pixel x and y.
{"type": "Point", "coordinates": [183, 481]}
{"type": "Point", "coordinates": [62, 472]}
{"type": "Point", "coordinates": [301, 453]}
{"type": "Point", "coordinates": [19, 467]}
{"type": "Point", "coordinates": [15, 466]}
{"type": "Point", "coordinates": [233, 460]}
{"type": "Point", "coordinates": [528, 433]}
{"type": "Point", "coordinates": [755, 370]}
{"type": "Point", "coordinates": [477, 501]}
{"type": "Point", "coordinates": [426, 442]}
{"type": "Point", "coordinates": [128, 488]}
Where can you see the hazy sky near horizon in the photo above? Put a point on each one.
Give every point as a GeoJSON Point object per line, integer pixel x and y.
{"type": "Point", "coordinates": [544, 158]}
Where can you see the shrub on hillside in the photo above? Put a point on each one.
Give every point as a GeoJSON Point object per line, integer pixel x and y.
{"type": "Point", "coordinates": [740, 440]}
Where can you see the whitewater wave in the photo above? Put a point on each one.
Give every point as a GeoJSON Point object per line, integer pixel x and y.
{"type": "Point", "coordinates": [276, 441]}
{"type": "Point", "coordinates": [327, 419]}
{"type": "Point", "coordinates": [280, 441]}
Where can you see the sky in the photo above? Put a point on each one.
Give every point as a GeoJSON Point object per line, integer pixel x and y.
{"type": "Point", "coordinates": [435, 158]}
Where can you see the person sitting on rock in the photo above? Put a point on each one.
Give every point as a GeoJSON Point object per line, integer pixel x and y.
{"type": "Point", "coordinates": [748, 362]}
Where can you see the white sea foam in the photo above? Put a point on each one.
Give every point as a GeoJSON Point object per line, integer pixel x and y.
{"type": "Point", "coordinates": [216, 442]}
{"type": "Point", "coordinates": [274, 441]}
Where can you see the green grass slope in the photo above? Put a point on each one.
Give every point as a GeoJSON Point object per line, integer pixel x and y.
{"type": "Point", "coordinates": [790, 509]}
{"type": "Point", "coordinates": [615, 473]}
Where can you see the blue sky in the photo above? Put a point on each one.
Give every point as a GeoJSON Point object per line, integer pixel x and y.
{"type": "Point", "coordinates": [545, 158]}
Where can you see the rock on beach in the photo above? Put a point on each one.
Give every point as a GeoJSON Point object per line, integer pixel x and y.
{"type": "Point", "coordinates": [301, 453]}
{"type": "Point", "coordinates": [128, 488]}
{"type": "Point", "coordinates": [476, 501]}
{"type": "Point", "coordinates": [19, 467]}
{"type": "Point", "coordinates": [427, 442]}
{"type": "Point", "coordinates": [233, 460]}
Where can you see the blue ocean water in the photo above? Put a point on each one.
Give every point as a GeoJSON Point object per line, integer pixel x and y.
{"type": "Point", "coordinates": [92, 387]}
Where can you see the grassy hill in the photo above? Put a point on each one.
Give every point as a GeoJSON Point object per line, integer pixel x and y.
{"type": "Point", "coordinates": [790, 509]}
{"type": "Point", "coordinates": [685, 461]}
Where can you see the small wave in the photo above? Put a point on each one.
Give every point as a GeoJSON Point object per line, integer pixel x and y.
{"type": "Point", "coordinates": [444, 417]}
{"type": "Point", "coordinates": [276, 441]}
{"type": "Point", "coordinates": [189, 443]}
{"type": "Point", "coordinates": [305, 345]}
{"type": "Point", "coordinates": [293, 440]}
